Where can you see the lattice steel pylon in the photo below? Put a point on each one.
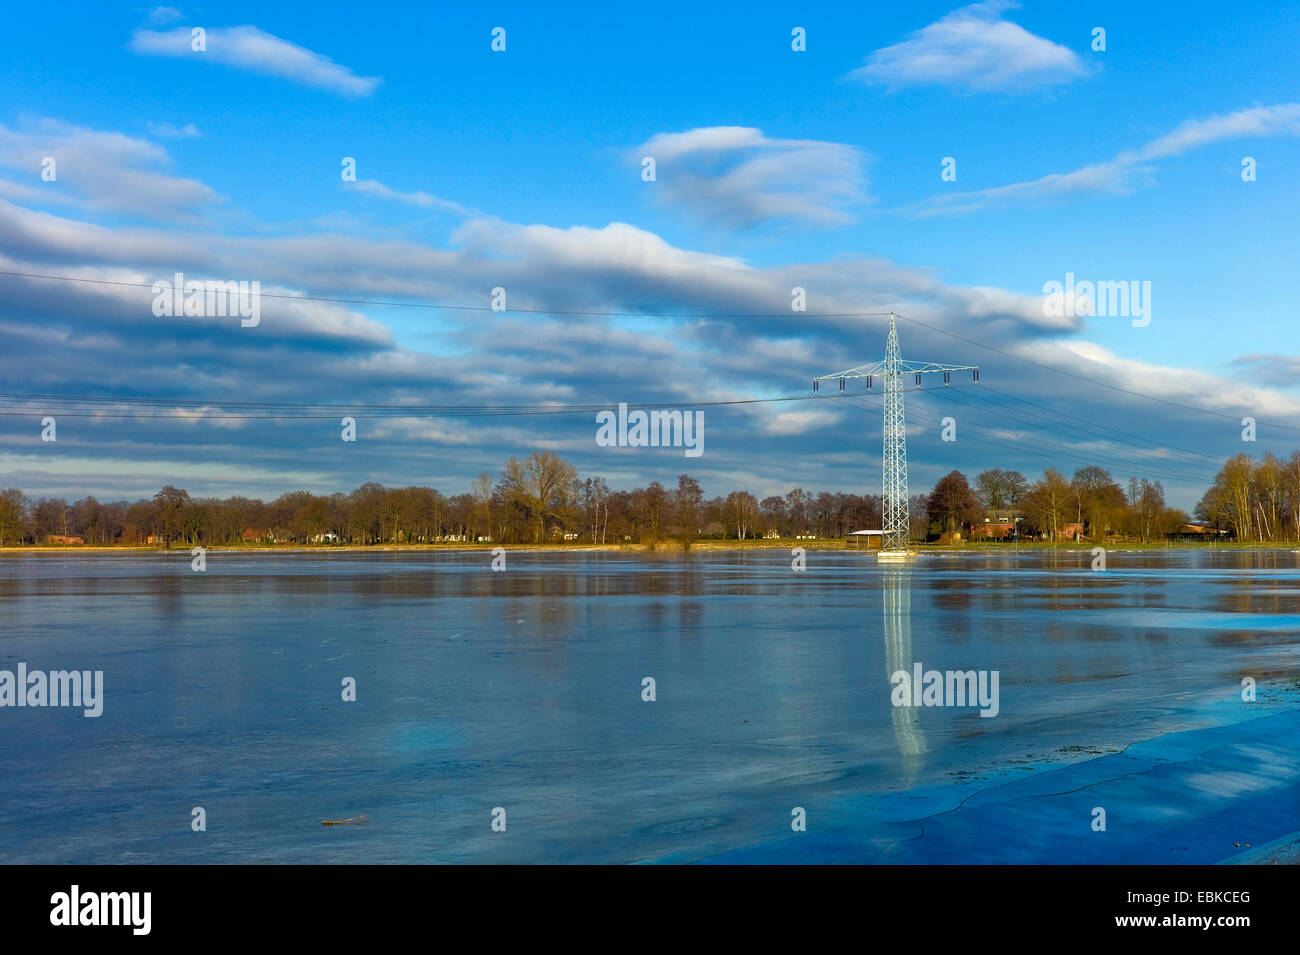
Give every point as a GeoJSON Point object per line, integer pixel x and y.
{"type": "Point", "coordinates": [894, 503]}
{"type": "Point", "coordinates": [896, 520]}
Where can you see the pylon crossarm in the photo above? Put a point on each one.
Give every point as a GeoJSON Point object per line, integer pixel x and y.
{"type": "Point", "coordinates": [861, 371]}
{"type": "Point", "coordinates": [925, 367]}
{"type": "Point", "coordinates": [904, 368]}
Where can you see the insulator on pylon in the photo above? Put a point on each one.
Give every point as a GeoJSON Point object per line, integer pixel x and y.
{"type": "Point", "coordinates": [918, 379]}
{"type": "Point", "coordinates": [977, 374]}
{"type": "Point", "coordinates": [814, 384]}
{"type": "Point", "coordinates": [947, 376]}
{"type": "Point", "coordinates": [868, 382]}
{"type": "Point", "coordinates": [841, 384]}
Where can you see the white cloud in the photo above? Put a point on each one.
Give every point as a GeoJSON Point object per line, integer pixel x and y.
{"type": "Point", "coordinates": [171, 131]}
{"type": "Point", "coordinates": [375, 188]}
{"type": "Point", "coordinates": [99, 170]}
{"type": "Point", "coordinates": [27, 192]}
{"type": "Point", "coordinates": [162, 15]}
{"type": "Point", "coordinates": [1280, 370]}
{"type": "Point", "coordinates": [579, 268]}
{"type": "Point", "coordinates": [737, 177]}
{"type": "Point", "coordinates": [249, 48]}
{"type": "Point", "coordinates": [143, 473]}
{"type": "Point", "coordinates": [1282, 119]}
{"type": "Point", "coordinates": [1121, 175]}
{"type": "Point", "coordinates": [975, 50]}
{"type": "Point", "coordinates": [1189, 386]}
{"type": "Point", "coordinates": [800, 422]}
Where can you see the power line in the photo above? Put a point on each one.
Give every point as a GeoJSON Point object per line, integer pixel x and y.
{"type": "Point", "coordinates": [1172, 464]}
{"type": "Point", "coordinates": [1085, 378]}
{"type": "Point", "coordinates": [1103, 427]}
{"type": "Point", "coordinates": [682, 315]}
{"type": "Point", "coordinates": [1182, 472]}
{"type": "Point", "coordinates": [1015, 446]}
{"type": "Point", "coordinates": [1084, 456]}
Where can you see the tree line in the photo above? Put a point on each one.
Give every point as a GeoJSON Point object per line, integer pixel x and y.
{"type": "Point", "coordinates": [1248, 501]}
{"type": "Point", "coordinates": [537, 499]}
{"type": "Point", "coordinates": [1257, 500]}
{"type": "Point", "coordinates": [1089, 504]}
{"type": "Point", "coordinates": [542, 499]}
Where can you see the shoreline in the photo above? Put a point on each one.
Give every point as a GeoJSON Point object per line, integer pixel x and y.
{"type": "Point", "coordinates": [659, 547]}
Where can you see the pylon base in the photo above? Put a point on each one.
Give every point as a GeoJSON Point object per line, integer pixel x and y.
{"type": "Point", "coordinates": [893, 555]}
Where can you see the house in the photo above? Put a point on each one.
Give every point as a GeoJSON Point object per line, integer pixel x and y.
{"type": "Point", "coordinates": [1000, 528]}
{"type": "Point", "coordinates": [1072, 531]}
{"type": "Point", "coordinates": [63, 539]}
{"type": "Point", "coordinates": [867, 539]}
{"type": "Point", "coordinates": [773, 534]}
{"type": "Point", "coordinates": [329, 537]}
{"type": "Point", "coordinates": [1199, 532]}
{"type": "Point", "coordinates": [258, 534]}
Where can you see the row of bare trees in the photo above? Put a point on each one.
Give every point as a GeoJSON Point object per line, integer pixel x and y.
{"type": "Point", "coordinates": [1047, 507]}
{"type": "Point", "coordinates": [1257, 500]}
{"type": "Point", "coordinates": [541, 498]}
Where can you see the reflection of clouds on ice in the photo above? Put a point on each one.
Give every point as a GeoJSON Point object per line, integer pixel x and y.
{"type": "Point", "coordinates": [1263, 772]}
{"type": "Point", "coordinates": [896, 600]}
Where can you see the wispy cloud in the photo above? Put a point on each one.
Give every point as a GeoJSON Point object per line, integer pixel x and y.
{"type": "Point", "coordinates": [737, 177]}
{"type": "Point", "coordinates": [1282, 119]}
{"type": "Point", "coordinates": [160, 16]}
{"type": "Point", "coordinates": [106, 171]}
{"type": "Point", "coordinates": [248, 48]}
{"type": "Point", "coordinates": [1282, 371]}
{"type": "Point", "coordinates": [170, 131]}
{"type": "Point", "coordinates": [376, 189]}
{"type": "Point", "coordinates": [974, 50]}
{"type": "Point", "coordinates": [1122, 174]}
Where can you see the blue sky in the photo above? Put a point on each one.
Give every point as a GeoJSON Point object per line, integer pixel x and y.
{"type": "Point", "coordinates": [521, 168]}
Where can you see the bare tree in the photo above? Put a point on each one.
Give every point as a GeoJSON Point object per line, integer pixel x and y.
{"type": "Point", "coordinates": [742, 510]}
{"type": "Point", "coordinates": [539, 484]}
{"type": "Point", "coordinates": [1047, 503]}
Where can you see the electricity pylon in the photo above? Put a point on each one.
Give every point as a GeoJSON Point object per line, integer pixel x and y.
{"type": "Point", "coordinates": [894, 492]}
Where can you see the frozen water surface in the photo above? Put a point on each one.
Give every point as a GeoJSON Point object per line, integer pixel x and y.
{"type": "Point", "coordinates": [522, 690]}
